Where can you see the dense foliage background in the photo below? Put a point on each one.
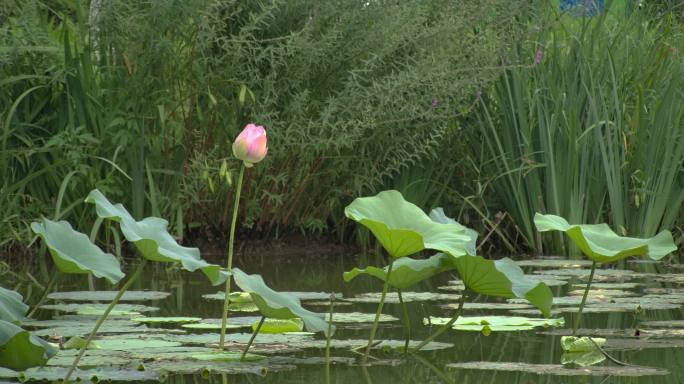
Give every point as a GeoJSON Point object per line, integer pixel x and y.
{"type": "Point", "coordinates": [493, 109]}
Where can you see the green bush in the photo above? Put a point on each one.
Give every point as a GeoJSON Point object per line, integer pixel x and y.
{"type": "Point", "coordinates": [141, 100]}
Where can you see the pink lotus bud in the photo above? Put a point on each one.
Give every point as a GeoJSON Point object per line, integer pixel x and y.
{"type": "Point", "coordinates": [250, 145]}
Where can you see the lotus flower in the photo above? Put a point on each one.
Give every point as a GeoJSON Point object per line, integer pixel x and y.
{"type": "Point", "coordinates": [250, 145]}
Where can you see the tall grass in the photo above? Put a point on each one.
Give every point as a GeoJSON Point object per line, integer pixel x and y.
{"type": "Point", "coordinates": [142, 100]}
{"type": "Point", "coordinates": [594, 131]}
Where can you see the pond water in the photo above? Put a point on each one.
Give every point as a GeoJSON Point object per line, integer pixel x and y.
{"type": "Point", "coordinates": [653, 348]}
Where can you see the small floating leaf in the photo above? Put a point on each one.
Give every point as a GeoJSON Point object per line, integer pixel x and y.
{"type": "Point", "coordinates": [108, 295]}
{"type": "Point", "coordinates": [496, 323]}
{"type": "Point", "coordinates": [98, 309]}
{"type": "Point", "coordinates": [553, 263]}
{"type": "Point", "coordinates": [226, 356]}
{"type": "Point", "coordinates": [393, 297]}
{"type": "Point", "coordinates": [559, 370]}
{"type": "Point", "coordinates": [235, 297]}
{"type": "Point", "coordinates": [280, 325]}
{"type": "Point", "coordinates": [19, 350]}
{"type": "Point", "coordinates": [123, 344]}
{"type": "Point", "coordinates": [73, 252]}
{"type": "Point", "coordinates": [582, 359]}
{"type": "Point", "coordinates": [581, 344]}
{"type": "Point", "coordinates": [599, 243]}
{"type": "Point", "coordinates": [170, 319]}
{"type": "Point", "coordinates": [78, 342]}
{"type": "Point", "coordinates": [358, 317]}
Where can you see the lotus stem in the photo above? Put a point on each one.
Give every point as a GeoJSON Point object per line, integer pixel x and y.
{"type": "Point", "coordinates": [374, 328]}
{"type": "Point", "coordinates": [407, 322]}
{"type": "Point", "coordinates": [251, 339]}
{"type": "Point", "coordinates": [229, 266]}
{"type": "Point", "coordinates": [578, 319]}
{"type": "Point", "coordinates": [445, 326]}
{"type": "Point", "coordinates": [46, 291]}
{"type": "Point", "coordinates": [327, 339]}
{"type": "Point", "coordinates": [93, 236]}
{"type": "Point", "coordinates": [102, 318]}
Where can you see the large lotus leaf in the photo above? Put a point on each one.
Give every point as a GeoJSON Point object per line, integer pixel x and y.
{"type": "Point", "coordinates": [502, 278]}
{"type": "Point", "coordinates": [599, 243]}
{"type": "Point", "coordinates": [153, 240]}
{"type": "Point", "coordinates": [403, 228]}
{"type": "Point", "coordinates": [19, 350]}
{"type": "Point", "coordinates": [278, 305]}
{"type": "Point", "coordinates": [437, 215]}
{"type": "Point", "coordinates": [406, 271]}
{"type": "Point", "coordinates": [12, 307]}
{"type": "Point", "coordinates": [73, 252]}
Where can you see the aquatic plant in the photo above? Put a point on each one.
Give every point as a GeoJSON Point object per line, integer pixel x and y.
{"type": "Point", "coordinates": [404, 229]}
{"type": "Point", "coordinates": [251, 147]}
{"type": "Point", "coordinates": [19, 350]}
{"type": "Point", "coordinates": [149, 236]}
{"type": "Point", "coordinates": [277, 305]}
{"type": "Point", "coordinates": [601, 245]}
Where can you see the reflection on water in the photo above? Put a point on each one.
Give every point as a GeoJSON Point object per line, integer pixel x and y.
{"type": "Point", "coordinates": [325, 274]}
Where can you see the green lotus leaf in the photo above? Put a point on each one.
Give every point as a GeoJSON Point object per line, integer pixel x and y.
{"type": "Point", "coordinates": [280, 325]}
{"type": "Point", "coordinates": [406, 271]}
{"type": "Point", "coordinates": [403, 228]}
{"type": "Point", "coordinates": [581, 344]}
{"type": "Point", "coordinates": [278, 305]}
{"type": "Point", "coordinates": [12, 307]}
{"type": "Point", "coordinates": [488, 324]}
{"type": "Point", "coordinates": [153, 240]}
{"type": "Point", "coordinates": [502, 278]}
{"type": "Point", "coordinates": [19, 350]}
{"type": "Point", "coordinates": [108, 295]}
{"type": "Point", "coordinates": [438, 216]}
{"type": "Point", "coordinates": [582, 359]}
{"type": "Point", "coordinates": [73, 252]}
{"type": "Point", "coordinates": [599, 243]}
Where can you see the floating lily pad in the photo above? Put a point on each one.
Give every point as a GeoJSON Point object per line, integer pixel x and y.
{"type": "Point", "coordinates": [153, 240]}
{"type": "Point", "coordinates": [611, 286]}
{"type": "Point", "coordinates": [663, 323]}
{"type": "Point", "coordinates": [73, 252]}
{"type": "Point", "coordinates": [280, 325]}
{"type": "Point", "coordinates": [12, 307]}
{"type": "Point", "coordinates": [84, 330]}
{"type": "Point", "coordinates": [605, 294]}
{"type": "Point", "coordinates": [55, 374]}
{"type": "Point", "coordinates": [234, 322]}
{"type": "Point", "coordinates": [406, 271]}
{"type": "Point", "coordinates": [559, 370]}
{"type": "Point", "coordinates": [488, 324]}
{"type": "Point", "coordinates": [616, 274]}
{"type": "Point", "coordinates": [605, 307]}
{"type": "Point", "coordinates": [19, 350]}
{"type": "Point", "coordinates": [581, 344]}
{"type": "Point", "coordinates": [582, 359]}
{"type": "Point", "coordinates": [494, 306]}
{"type": "Point", "coordinates": [358, 317]}
{"type": "Point", "coordinates": [98, 309]}
{"type": "Point", "coordinates": [78, 321]}
{"type": "Point", "coordinates": [554, 263]}
{"type": "Point", "coordinates": [123, 344]}
{"type": "Point", "coordinates": [599, 243]}
{"type": "Point", "coordinates": [164, 320]}
{"type": "Point", "coordinates": [404, 229]}
{"type": "Point", "coordinates": [393, 297]}
{"type": "Point", "coordinates": [226, 356]}
{"type": "Point", "coordinates": [244, 297]}
{"type": "Point", "coordinates": [108, 295]}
